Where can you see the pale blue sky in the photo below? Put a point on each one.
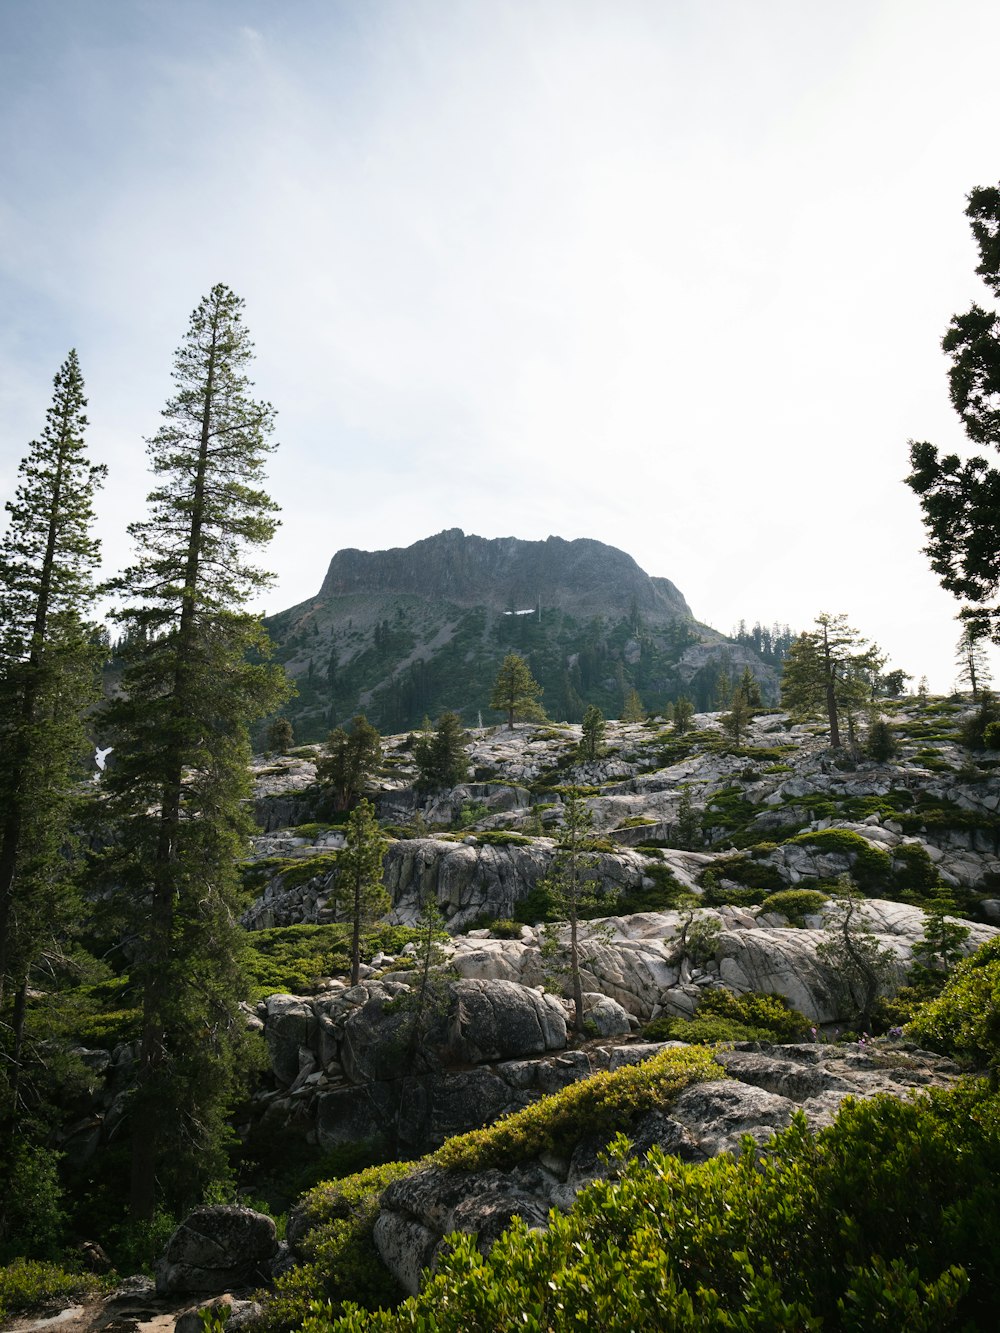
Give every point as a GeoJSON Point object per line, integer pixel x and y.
{"type": "Point", "coordinates": [669, 275]}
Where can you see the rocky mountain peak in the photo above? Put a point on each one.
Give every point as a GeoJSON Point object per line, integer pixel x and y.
{"type": "Point", "coordinates": [582, 577]}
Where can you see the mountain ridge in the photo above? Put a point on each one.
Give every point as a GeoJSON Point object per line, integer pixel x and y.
{"type": "Point", "coordinates": [412, 631]}
{"type": "Point", "coordinates": [506, 573]}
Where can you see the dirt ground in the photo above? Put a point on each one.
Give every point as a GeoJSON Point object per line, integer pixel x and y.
{"type": "Point", "coordinates": [121, 1312]}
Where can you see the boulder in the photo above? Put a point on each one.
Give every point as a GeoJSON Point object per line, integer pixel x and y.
{"type": "Point", "coordinates": [607, 1015]}
{"type": "Point", "coordinates": [500, 1020]}
{"type": "Point", "coordinates": [215, 1249]}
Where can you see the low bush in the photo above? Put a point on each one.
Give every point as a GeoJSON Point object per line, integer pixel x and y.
{"type": "Point", "coordinates": [504, 929]}
{"type": "Point", "coordinates": [501, 838]}
{"type": "Point", "coordinates": [964, 1020]}
{"type": "Point", "coordinates": [871, 867]}
{"type": "Point", "coordinates": [750, 873]}
{"type": "Point", "coordinates": [722, 1015]}
{"type": "Point", "coordinates": [885, 1220]}
{"type": "Point", "coordinates": [28, 1284]}
{"type": "Point", "coordinates": [332, 1232]}
{"type": "Point", "coordinates": [796, 904]}
{"type": "Point", "coordinates": [602, 1104]}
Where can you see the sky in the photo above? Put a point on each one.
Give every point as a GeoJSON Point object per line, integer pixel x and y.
{"type": "Point", "coordinates": [671, 275]}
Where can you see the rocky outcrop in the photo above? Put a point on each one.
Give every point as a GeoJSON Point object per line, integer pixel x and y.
{"type": "Point", "coordinates": [469, 881]}
{"type": "Point", "coordinates": [346, 1066]}
{"type": "Point", "coordinates": [635, 959]}
{"type": "Point", "coordinates": [215, 1249]}
{"type": "Point", "coordinates": [758, 1092]}
{"type": "Point", "coordinates": [351, 1064]}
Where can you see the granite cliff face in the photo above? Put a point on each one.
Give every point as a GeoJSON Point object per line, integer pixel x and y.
{"type": "Point", "coordinates": [411, 631]}
{"type": "Point", "coordinates": [584, 578]}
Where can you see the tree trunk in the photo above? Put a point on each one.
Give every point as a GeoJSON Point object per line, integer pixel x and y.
{"type": "Point", "coordinates": [145, 1128]}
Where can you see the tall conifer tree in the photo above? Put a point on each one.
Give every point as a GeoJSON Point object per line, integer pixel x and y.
{"type": "Point", "coordinates": [47, 679]}
{"type": "Point", "coordinates": [193, 685]}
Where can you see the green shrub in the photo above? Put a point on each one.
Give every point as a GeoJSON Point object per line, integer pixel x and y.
{"type": "Point", "coordinates": [32, 1211]}
{"type": "Point", "coordinates": [504, 929]}
{"type": "Point", "coordinates": [722, 1015]}
{"type": "Point", "coordinates": [964, 1020]}
{"type": "Point", "coordinates": [973, 731]}
{"type": "Point", "coordinates": [881, 743]}
{"type": "Point", "coordinates": [871, 867]}
{"type": "Point", "coordinates": [502, 838]}
{"type": "Point", "coordinates": [312, 831]}
{"type": "Point", "coordinates": [291, 959]}
{"type": "Point", "coordinates": [886, 1220]}
{"type": "Point", "coordinates": [340, 1261]}
{"type": "Point", "coordinates": [751, 873]}
{"type": "Point", "coordinates": [602, 1104]}
{"type": "Point", "coordinates": [26, 1284]}
{"type": "Point", "coordinates": [796, 904]}
{"type": "Point", "coordinates": [915, 877]}
{"type": "Point", "coordinates": [666, 893]}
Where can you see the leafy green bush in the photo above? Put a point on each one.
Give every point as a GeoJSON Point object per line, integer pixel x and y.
{"type": "Point", "coordinates": [333, 1235]}
{"type": "Point", "coordinates": [751, 873]}
{"type": "Point", "coordinates": [871, 867]}
{"type": "Point", "coordinates": [312, 830]}
{"type": "Point", "coordinates": [973, 731]}
{"type": "Point", "coordinates": [26, 1284]}
{"type": "Point", "coordinates": [290, 959]}
{"type": "Point", "coordinates": [502, 838]}
{"type": "Point", "coordinates": [964, 1020]}
{"type": "Point", "coordinates": [601, 1104]}
{"type": "Point", "coordinates": [504, 929]}
{"type": "Point", "coordinates": [666, 893]}
{"type": "Point", "coordinates": [32, 1208]}
{"type": "Point", "coordinates": [796, 904]}
{"type": "Point", "coordinates": [881, 743]}
{"type": "Point", "coordinates": [722, 1015]}
{"type": "Point", "coordinates": [886, 1220]}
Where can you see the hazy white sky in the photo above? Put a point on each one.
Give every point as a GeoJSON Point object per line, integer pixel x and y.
{"type": "Point", "coordinates": [669, 275]}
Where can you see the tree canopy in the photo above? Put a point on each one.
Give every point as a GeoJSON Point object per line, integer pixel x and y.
{"type": "Point", "coordinates": [515, 691]}
{"type": "Point", "coordinates": [48, 669]}
{"type": "Point", "coordinates": [194, 682]}
{"type": "Point", "coordinates": [350, 760]}
{"type": "Point", "coordinates": [960, 498]}
{"type": "Point", "coordinates": [442, 758]}
{"type": "Point", "coordinates": [830, 669]}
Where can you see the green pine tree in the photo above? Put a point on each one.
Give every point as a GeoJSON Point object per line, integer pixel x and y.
{"type": "Point", "coordinates": [442, 758]}
{"type": "Point", "coordinates": [516, 692]}
{"type": "Point", "coordinates": [359, 895]}
{"type": "Point", "coordinates": [571, 889]}
{"type": "Point", "coordinates": [592, 735]}
{"type": "Point", "coordinates": [972, 659]}
{"type": "Point", "coordinates": [750, 688]}
{"type": "Point", "coordinates": [352, 757]}
{"type": "Point", "coordinates": [683, 713]}
{"type": "Point", "coordinates": [633, 710]}
{"type": "Point", "coordinates": [48, 668]}
{"type": "Point", "coordinates": [194, 682]}
{"type": "Point", "coordinates": [958, 496]}
{"type": "Point", "coordinates": [280, 736]}
{"type": "Point", "coordinates": [830, 670]}
{"type": "Point", "coordinates": [687, 828]}
{"type": "Point", "coordinates": [737, 719]}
